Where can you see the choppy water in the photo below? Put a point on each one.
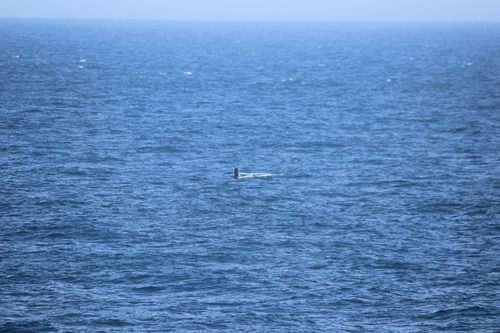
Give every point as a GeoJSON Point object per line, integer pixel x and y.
{"type": "Point", "coordinates": [118, 208]}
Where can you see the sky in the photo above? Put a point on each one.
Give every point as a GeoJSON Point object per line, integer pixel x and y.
{"type": "Point", "coordinates": [259, 10]}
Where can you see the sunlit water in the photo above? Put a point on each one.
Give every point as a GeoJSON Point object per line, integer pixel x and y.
{"type": "Point", "coordinates": [119, 211]}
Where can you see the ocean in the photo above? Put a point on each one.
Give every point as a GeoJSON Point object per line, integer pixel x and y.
{"type": "Point", "coordinates": [119, 211]}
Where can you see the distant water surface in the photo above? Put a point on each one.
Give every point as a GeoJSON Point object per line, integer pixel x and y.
{"type": "Point", "coordinates": [119, 212]}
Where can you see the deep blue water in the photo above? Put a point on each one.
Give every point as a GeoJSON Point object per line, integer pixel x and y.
{"type": "Point", "coordinates": [118, 211]}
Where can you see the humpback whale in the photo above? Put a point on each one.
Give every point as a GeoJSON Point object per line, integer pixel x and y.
{"type": "Point", "coordinates": [238, 175]}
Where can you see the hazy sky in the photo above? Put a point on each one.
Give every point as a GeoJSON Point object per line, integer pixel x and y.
{"type": "Point", "coordinates": [258, 10]}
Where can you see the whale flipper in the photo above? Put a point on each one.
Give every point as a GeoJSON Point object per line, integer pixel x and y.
{"type": "Point", "coordinates": [238, 175]}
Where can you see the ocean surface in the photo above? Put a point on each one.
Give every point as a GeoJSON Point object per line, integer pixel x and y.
{"type": "Point", "coordinates": [119, 212]}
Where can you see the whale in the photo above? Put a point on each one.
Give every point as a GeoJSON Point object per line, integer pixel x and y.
{"type": "Point", "coordinates": [237, 174]}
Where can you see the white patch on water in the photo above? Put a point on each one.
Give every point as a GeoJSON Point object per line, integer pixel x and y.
{"type": "Point", "coordinates": [255, 174]}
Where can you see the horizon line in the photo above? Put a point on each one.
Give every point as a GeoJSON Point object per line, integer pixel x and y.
{"type": "Point", "coordinates": [240, 21]}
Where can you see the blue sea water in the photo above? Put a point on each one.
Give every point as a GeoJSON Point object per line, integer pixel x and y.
{"type": "Point", "coordinates": [119, 212]}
